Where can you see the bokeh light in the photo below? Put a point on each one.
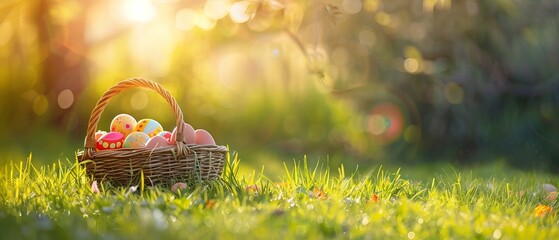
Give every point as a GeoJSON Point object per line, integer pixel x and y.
{"type": "Point", "coordinates": [217, 9]}
{"type": "Point", "coordinates": [204, 22]}
{"type": "Point", "coordinates": [40, 105]}
{"type": "Point", "coordinates": [239, 12]}
{"type": "Point", "coordinates": [371, 5]}
{"type": "Point", "coordinates": [385, 123]}
{"type": "Point", "coordinates": [412, 134]}
{"type": "Point", "coordinates": [454, 93]}
{"type": "Point", "coordinates": [139, 100]}
{"type": "Point", "coordinates": [185, 19]}
{"type": "Point", "coordinates": [411, 65]}
{"type": "Point", "coordinates": [351, 6]}
{"type": "Point", "coordinates": [367, 38]}
{"type": "Point", "coordinates": [65, 98]}
{"type": "Point", "coordinates": [138, 11]}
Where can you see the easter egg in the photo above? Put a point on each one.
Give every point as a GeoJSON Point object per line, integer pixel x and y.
{"type": "Point", "coordinates": [136, 140]}
{"type": "Point", "coordinates": [204, 137]}
{"type": "Point", "coordinates": [157, 141]}
{"type": "Point", "coordinates": [123, 123]}
{"type": "Point", "coordinates": [98, 135]}
{"type": "Point", "coordinates": [188, 132]}
{"type": "Point", "coordinates": [166, 135]}
{"type": "Point", "coordinates": [111, 140]}
{"type": "Point", "coordinates": [148, 126]}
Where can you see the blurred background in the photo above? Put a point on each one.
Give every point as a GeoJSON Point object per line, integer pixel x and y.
{"type": "Point", "coordinates": [358, 82]}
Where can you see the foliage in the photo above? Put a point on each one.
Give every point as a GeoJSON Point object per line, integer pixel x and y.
{"type": "Point", "coordinates": [475, 77]}
{"type": "Point", "coordinates": [56, 201]}
{"type": "Point", "coordinates": [460, 81]}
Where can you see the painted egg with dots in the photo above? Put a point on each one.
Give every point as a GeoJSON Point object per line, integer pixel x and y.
{"type": "Point", "coordinates": [136, 140]}
{"type": "Point", "coordinates": [111, 140]}
{"type": "Point", "coordinates": [123, 123]}
{"type": "Point", "coordinates": [149, 127]}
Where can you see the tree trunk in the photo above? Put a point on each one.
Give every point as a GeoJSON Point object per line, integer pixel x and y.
{"type": "Point", "coordinates": [65, 67]}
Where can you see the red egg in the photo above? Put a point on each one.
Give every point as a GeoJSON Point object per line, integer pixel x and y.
{"type": "Point", "coordinates": [203, 137]}
{"type": "Point", "coordinates": [111, 140]}
{"type": "Point", "coordinates": [157, 141]}
{"type": "Point", "coordinates": [190, 137]}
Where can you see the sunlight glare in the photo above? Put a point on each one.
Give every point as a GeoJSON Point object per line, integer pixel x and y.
{"type": "Point", "coordinates": [138, 11]}
{"type": "Point", "coordinates": [186, 19]}
{"type": "Point", "coordinates": [216, 9]}
{"type": "Point", "coordinates": [204, 22]}
{"type": "Point", "coordinates": [238, 12]}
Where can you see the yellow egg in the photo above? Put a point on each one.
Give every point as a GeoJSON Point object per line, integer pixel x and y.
{"type": "Point", "coordinates": [148, 126]}
{"type": "Point", "coordinates": [123, 123]}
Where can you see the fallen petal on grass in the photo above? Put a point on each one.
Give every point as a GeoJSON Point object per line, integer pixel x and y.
{"type": "Point", "coordinates": [374, 199]}
{"type": "Point", "coordinates": [211, 203]}
{"type": "Point", "coordinates": [549, 187]}
{"type": "Point", "coordinates": [94, 187]}
{"type": "Point", "coordinates": [252, 189]}
{"type": "Point", "coordinates": [319, 194]}
{"type": "Point", "coordinates": [131, 190]}
{"type": "Point", "coordinates": [179, 186]}
{"type": "Point", "coordinates": [542, 210]}
{"type": "Point", "coordinates": [552, 196]}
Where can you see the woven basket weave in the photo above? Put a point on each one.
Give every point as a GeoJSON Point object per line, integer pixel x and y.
{"type": "Point", "coordinates": [157, 165]}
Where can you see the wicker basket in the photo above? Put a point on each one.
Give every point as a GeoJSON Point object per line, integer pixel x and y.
{"type": "Point", "coordinates": [164, 165]}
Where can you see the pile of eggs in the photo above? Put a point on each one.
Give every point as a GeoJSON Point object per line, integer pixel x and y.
{"type": "Point", "coordinates": [126, 132]}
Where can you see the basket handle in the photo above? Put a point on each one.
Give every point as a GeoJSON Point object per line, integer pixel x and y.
{"type": "Point", "coordinates": [120, 87]}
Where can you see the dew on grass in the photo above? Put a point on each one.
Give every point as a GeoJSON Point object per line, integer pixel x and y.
{"type": "Point", "coordinates": [411, 235]}
{"type": "Point", "coordinates": [108, 210]}
{"type": "Point", "coordinates": [365, 220]}
{"type": "Point", "coordinates": [497, 234]}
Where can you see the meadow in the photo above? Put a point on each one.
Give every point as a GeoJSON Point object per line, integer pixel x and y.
{"type": "Point", "coordinates": [305, 201]}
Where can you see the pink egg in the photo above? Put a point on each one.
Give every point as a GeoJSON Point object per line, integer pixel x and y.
{"type": "Point", "coordinates": [123, 123]}
{"type": "Point", "coordinates": [204, 137]}
{"type": "Point", "coordinates": [157, 141]}
{"type": "Point", "coordinates": [98, 135]}
{"type": "Point", "coordinates": [188, 133]}
{"type": "Point", "coordinates": [166, 135]}
{"type": "Point", "coordinates": [111, 140]}
{"type": "Point", "coordinates": [136, 140]}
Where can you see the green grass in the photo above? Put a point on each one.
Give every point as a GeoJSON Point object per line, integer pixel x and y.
{"type": "Point", "coordinates": [307, 202]}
